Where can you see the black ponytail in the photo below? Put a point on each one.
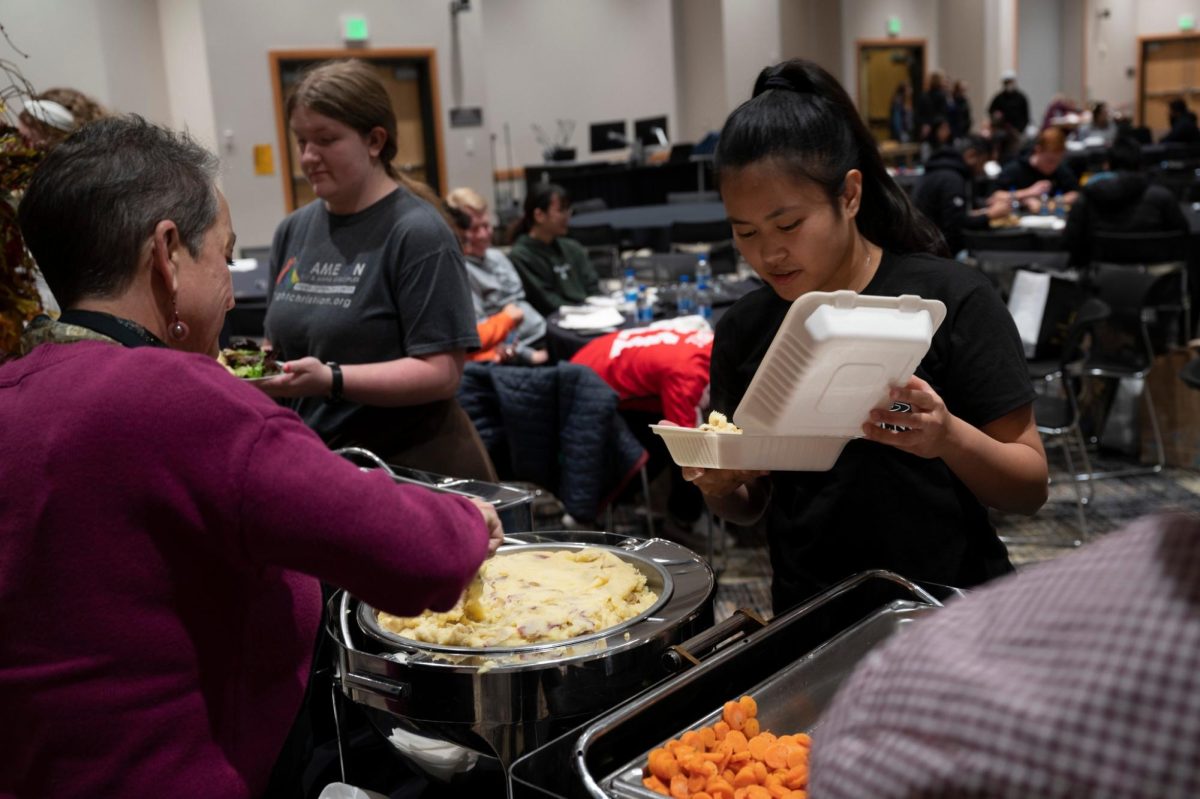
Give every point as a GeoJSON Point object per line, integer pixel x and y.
{"type": "Point", "coordinates": [801, 116]}
{"type": "Point", "coordinates": [539, 199]}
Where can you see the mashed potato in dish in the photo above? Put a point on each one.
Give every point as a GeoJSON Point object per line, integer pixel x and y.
{"type": "Point", "coordinates": [521, 598]}
{"type": "Point", "coordinates": [717, 423]}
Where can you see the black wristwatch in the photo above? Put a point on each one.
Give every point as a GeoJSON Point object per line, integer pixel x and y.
{"type": "Point", "coordinates": [335, 391]}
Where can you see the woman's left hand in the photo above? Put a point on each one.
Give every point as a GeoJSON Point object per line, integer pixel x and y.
{"type": "Point", "coordinates": [928, 421]}
{"type": "Point", "coordinates": [306, 377]}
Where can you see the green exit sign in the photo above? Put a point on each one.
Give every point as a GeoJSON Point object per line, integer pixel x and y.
{"type": "Point", "coordinates": [354, 28]}
{"type": "Point", "coordinates": [1186, 22]}
{"type": "Point", "coordinates": [893, 26]}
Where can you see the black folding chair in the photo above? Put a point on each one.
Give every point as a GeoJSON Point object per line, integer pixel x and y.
{"type": "Point", "coordinates": [1158, 254]}
{"type": "Point", "coordinates": [603, 246]}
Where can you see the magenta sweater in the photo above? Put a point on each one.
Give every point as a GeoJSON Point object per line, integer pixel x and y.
{"type": "Point", "coordinates": [158, 523]}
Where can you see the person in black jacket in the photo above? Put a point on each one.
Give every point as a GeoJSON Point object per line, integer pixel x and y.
{"type": "Point", "coordinates": [1012, 103]}
{"type": "Point", "coordinates": [1183, 125]}
{"type": "Point", "coordinates": [1122, 200]}
{"type": "Point", "coordinates": [946, 195]}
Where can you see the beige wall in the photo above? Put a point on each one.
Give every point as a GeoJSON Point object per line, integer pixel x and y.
{"type": "Point", "coordinates": [867, 19]}
{"type": "Point", "coordinates": [962, 26]}
{"type": "Point", "coordinates": [752, 41]}
{"type": "Point", "coordinates": [577, 60]}
{"type": "Point", "coordinates": [812, 29]}
{"type": "Point", "coordinates": [185, 63]}
{"type": "Point", "coordinates": [1111, 44]}
{"type": "Point", "coordinates": [699, 67]}
{"type": "Point", "coordinates": [238, 36]}
{"type": "Point", "coordinates": [109, 49]}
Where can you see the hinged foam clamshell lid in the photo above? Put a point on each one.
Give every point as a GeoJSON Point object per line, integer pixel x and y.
{"type": "Point", "coordinates": [834, 358]}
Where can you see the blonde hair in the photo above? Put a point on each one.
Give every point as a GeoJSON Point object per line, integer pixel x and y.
{"type": "Point", "coordinates": [466, 199]}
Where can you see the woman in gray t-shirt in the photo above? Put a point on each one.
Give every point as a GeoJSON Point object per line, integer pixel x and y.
{"type": "Point", "coordinates": [371, 306]}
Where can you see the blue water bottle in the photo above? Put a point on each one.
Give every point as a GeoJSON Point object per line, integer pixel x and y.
{"type": "Point", "coordinates": [645, 311]}
{"type": "Point", "coordinates": [704, 298]}
{"type": "Point", "coordinates": [629, 304]}
{"type": "Point", "coordinates": [685, 301]}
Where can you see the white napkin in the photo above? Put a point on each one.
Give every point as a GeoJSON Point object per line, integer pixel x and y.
{"type": "Point", "coordinates": [575, 318]}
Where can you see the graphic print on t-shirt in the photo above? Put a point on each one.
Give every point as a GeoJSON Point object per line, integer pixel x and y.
{"type": "Point", "coordinates": [322, 283]}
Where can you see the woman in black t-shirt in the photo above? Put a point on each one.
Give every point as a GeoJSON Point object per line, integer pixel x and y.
{"type": "Point", "coordinates": [813, 209]}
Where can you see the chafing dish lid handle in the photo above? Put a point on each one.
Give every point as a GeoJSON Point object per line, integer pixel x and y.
{"type": "Point", "coordinates": [396, 690]}
{"type": "Point", "coordinates": [743, 621]}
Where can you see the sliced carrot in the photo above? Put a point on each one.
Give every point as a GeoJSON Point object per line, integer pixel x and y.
{"type": "Point", "coordinates": [750, 727]}
{"type": "Point", "coordinates": [796, 756]}
{"type": "Point", "coordinates": [757, 792]}
{"type": "Point", "coordinates": [696, 783]}
{"type": "Point", "coordinates": [758, 746]}
{"type": "Point", "coordinates": [709, 736]}
{"type": "Point", "coordinates": [719, 786]}
{"type": "Point", "coordinates": [776, 756]}
{"type": "Point", "coordinates": [744, 777]}
{"type": "Point", "coordinates": [702, 795]}
{"type": "Point", "coordinates": [749, 706]}
{"type": "Point", "coordinates": [796, 777]}
{"type": "Point", "coordinates": [734, 715]}
{"type": "Point", "coordinates": [656, 785]}
{"type": "Point", "coordinates": [721, 729]}
{"type": "Point", "coordinates": [775, 786]}
{"type": "Point", "coordinates": [679, 787]}
{"type": "Point", "coordinates": [738, 739]}
{"type": "Point", "coordinates": [760, 771]}
{"type": "Point", "coordinates": [797, 795]}
{"type": "Point", "coordinates": [692, 738]}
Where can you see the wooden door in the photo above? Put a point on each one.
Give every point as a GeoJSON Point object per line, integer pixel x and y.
{"type": "Point", "coordinates": [882, 66]}
{"type": "Point", "coordinates": [410, 78]}
{"type": "Point", "coordinates": [1168, 67]}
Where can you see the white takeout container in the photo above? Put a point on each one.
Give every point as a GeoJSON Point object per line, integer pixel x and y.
{"type": "Point", "coordinates": [834, 358]}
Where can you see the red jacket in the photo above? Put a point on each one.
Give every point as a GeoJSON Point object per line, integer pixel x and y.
{"type": "Point", "coordinates": [654, 368]}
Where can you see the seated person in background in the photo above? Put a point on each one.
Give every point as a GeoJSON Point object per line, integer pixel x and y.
{"type": "Point", "coordinates": [1043, 172]}
{"type": "Point", "coordinates": [945, 193]}
{"type": "Point", "coordinates": [499, 299]}
{"type": "Point", "coordinates": [1075, 677]}
{"type": "Point", "coordinates": [1101, 130]}
{"type": "Point", "coordinates": [939, 136]}
{"type": "Point", "coordinates": [1122, 200]}
{"type": "Point", "coordinates": [661, 371]}
{"type": "Point", "coordinates": [1060, 111]}
{"type": "Point", "coordinates": [1183, 124]}
{"type": "Point", "coordinates": [555, 269]}
{"type": "Point", "coordinates": [1004, 138]}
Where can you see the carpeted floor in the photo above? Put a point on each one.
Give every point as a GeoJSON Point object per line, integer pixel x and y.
{"type": "Point", "coordinates": [744, 571]}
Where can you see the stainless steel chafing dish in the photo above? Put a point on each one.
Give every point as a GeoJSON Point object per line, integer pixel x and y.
{"type": "Point", "coordinates": [501, 703]}
{"type": "Point", "coordinates": [792, 666]}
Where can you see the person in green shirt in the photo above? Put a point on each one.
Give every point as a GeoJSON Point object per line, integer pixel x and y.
{"type": "Point", "coordinates": [554, 269]}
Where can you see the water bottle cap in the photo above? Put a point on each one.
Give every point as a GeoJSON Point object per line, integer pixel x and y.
{"type": "Point", "coordinates": [684, 278]}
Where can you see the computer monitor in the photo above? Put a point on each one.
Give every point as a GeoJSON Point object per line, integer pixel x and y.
{"type": "Point", "coordinates": [608, 136]}
{"type": "Point", "coordinates": [643, 129]}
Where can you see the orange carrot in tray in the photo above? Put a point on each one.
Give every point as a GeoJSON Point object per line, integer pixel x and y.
{"type": "Point", "coordinates": [732, 759]}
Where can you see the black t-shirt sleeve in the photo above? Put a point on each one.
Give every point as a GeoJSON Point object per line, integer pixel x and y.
{"type": "Point", "coordinates": [433, 299]}
{"type": "Point", "coordinates": [987, 376]}
{"type": "Point", "coordinates": [722, 376]}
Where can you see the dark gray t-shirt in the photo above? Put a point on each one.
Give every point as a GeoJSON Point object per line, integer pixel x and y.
{"type": "Point", "coordinates": [381, 284]}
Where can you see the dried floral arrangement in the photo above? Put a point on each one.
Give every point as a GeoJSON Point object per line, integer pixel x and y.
{"type": "Point", "coordinates": [19, 299]}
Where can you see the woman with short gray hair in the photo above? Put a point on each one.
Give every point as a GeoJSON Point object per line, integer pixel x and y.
{"type": "Point", "coordinates": [163, 525]}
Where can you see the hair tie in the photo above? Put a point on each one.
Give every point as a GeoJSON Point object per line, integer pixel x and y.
{"type": "Point", "coordinates": [779, 82]}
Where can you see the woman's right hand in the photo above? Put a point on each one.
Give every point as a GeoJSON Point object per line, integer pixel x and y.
{"type": "Point", "coordinates": [719, 483]}
{"type": "Point", "coordinates": [513, 312]}
{"type": "Point", "coordinates": [494, 528]}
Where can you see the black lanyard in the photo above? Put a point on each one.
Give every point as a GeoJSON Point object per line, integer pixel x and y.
{"type": "Point", "coordinates": [122, 331]}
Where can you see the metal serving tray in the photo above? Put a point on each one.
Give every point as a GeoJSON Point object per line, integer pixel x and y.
{"type": "Point", "coordinates": [794, 699]}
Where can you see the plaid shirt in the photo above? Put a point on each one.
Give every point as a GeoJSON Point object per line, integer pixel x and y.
{"type": "Point", "coordinates": [1078, 677]}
